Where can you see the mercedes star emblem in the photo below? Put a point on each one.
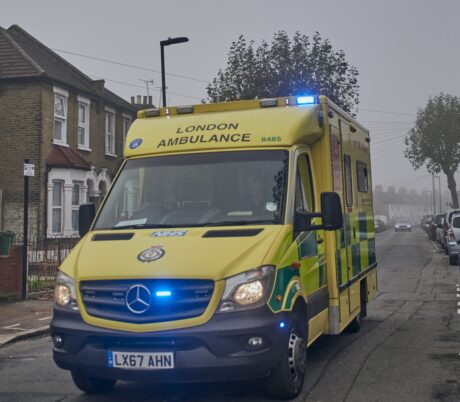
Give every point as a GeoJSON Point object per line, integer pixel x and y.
{"type": "Point", "coordinates": [138, 299]}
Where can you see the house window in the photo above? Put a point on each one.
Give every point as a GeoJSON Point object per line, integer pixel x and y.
{"type": "Point", "coordinates": [83, 123]}
{"type": "Point", "coordinates": [126, 124]}
{"type": "Point", "coordinates": [57, 207]}
{"type": "Point", "coordinates": [110, 132]}
{"type": "Point", "coordinates": [60, 116]}
{"type": "Point", "coordinates": [76, 201]}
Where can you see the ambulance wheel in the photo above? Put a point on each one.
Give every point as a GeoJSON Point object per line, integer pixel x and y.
{"type": "Point", "coordinates": [286, 381]}
{"type": "Point", "coordinates": [355, 325]}
{"type": "Point", "coordinates": [91, 385]}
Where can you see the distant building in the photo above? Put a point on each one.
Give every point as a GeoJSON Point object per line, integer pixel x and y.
{"type": "Point", "coordinates": [69, 126]}
{"type": "Point", "coordinates": [402, 204]}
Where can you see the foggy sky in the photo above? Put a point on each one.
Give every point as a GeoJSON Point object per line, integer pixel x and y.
{"type": "Point", "coordinates": [405, 51]}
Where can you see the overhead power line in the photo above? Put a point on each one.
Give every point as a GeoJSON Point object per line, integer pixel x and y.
{"type": "Point", "coordinates": [386, 112]}
{"type": "Point", "coordinates": [142, 87]}
{"type": "Point", "coordinates": [119, 63]}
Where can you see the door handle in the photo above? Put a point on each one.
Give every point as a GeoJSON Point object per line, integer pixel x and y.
{"type": "Point", "coordinates": [319, 240]}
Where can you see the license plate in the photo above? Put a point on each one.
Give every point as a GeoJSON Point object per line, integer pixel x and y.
{"type": "Point", "coordinates": [141, 361]}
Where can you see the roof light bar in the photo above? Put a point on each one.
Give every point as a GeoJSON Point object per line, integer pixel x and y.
{"type": "Point", "coordinates": [268, 102]}
{"type": "Point", "coordinates": [152, 112]}
{"type": "Point", "coordinates": [306, 100]}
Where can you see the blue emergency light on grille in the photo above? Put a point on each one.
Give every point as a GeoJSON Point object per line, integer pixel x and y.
{"type": "Point", "coordinates": [306, 100]}
{"type": "Point", "coordinates": [163, 293]}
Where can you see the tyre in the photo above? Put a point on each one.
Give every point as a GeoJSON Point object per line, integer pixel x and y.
{"type": "Point", "coordinates": [355, 325]}
{"type": "Point", "coordinates": [91, 385]}
{"type": "Point", "coordinates": [286, 380]}
{"type": "Point", "coordinates": [453, 259]}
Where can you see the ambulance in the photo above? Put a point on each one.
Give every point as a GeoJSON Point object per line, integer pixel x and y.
{"type": "Point", "coordinates": [234, 235]}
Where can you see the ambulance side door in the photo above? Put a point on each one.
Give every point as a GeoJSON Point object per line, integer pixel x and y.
{"type": "Point", "coordinates": [311, 245]}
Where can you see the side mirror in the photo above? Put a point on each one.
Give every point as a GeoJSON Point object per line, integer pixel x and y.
{"type": "Point", "coordinates": [331, 215]}
{"type": "Point", "coordinates": [86, 214]}
{"type": "Point", "coordinates": [331, 211]}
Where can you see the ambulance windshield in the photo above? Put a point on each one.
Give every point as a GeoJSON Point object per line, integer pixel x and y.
{"type": "Point", "coordinates": [202, 189]}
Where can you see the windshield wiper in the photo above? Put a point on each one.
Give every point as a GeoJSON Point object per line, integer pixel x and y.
{"type": "Point", "coordinates": [144, 226]}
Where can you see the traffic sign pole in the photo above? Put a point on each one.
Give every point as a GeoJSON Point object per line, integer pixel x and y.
{"type": "Point", "coordinates": [25, 267]}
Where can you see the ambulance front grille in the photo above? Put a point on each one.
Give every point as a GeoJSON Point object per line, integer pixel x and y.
{"type": "Point", "coordinates": [160, 300]}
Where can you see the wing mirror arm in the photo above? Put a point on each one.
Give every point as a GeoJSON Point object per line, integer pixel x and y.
{"type": "Point", "coordinates": [331, 215]}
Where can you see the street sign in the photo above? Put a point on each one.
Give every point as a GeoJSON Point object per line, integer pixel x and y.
{"type": "Point", "coordinates": [29, 169]}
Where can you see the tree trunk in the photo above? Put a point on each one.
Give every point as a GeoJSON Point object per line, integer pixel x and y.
{"type": "Point", "coordinates": [453, 189]}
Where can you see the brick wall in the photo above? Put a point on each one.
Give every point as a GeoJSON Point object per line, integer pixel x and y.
{"type": "Point", "coordinates": [11, 273]}
{"type": "Point", "coordinates": [20, 138]}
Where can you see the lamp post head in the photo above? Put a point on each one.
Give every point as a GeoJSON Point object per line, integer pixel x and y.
{"type": "Point", "coordinates": [173, 41]}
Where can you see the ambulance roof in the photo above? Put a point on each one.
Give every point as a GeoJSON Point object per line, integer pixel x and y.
{"type": "Point", "coordinates": [242, 124]}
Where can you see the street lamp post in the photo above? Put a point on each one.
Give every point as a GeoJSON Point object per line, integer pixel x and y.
{"type": "Point", "coordinates": [163, 43]}
{"type": "Point", "coordinates": [439, 178]}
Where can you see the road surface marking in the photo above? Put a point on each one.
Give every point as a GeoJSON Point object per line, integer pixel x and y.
{"type": "Point", "coordinates": [14, 327]}
{"type": "Point", "coordinates": [44, 318]}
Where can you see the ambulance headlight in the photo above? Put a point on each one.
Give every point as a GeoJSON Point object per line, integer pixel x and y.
{"type": "Point", "coordinates": [248, 290]}
{"type": "Point", "coordinates": [64, 292]}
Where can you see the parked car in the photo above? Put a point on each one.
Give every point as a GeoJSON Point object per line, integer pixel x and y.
{"type": "Point", "coordinates": [453, 239]}
{"type": "Point", "coordinates": [448, 216]}
{"type": "Point", "coordinates": [425, 223]}
{"type": "Point", "coordinates": [434, 226]}
{"type": "Point", "coordinates": [402, 225]}
{"type": "Point", "coordinates": [379, 226]}
{"type": "Point", "coordinates": [440, 231]}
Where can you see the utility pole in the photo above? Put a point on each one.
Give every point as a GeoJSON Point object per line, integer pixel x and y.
{"type": "Point", "coordinates": [434, 195]}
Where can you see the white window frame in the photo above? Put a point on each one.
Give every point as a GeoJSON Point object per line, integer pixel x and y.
{"type": "Point", "coordinates": [57, 207]}
{"type": "Point", "coordinates": [110, 151]}
{"type": "Point", "coordinates": [126, 119]}
{"type": "Point", "coordinates": [76, 207]}
{"type": "Point", "coordinates": [87, 104]}
{"type": "Point", "coordinates": [61, 93]}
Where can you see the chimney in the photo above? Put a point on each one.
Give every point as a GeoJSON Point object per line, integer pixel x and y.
{"type": "Point", "coordinates": [142, 102]}
{"type": "Point", "coordinates": [99, 86]}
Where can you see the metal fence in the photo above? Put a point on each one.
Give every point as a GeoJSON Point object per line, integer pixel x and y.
{"type": "Point", "coordinates": [44, 255]}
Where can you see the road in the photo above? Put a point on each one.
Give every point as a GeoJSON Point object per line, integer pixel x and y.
{"type": "Point", "coordinates": [408, 348]}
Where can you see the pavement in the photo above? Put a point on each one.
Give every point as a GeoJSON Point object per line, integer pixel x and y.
{"type": "Point", "coordinates": [23, 319]}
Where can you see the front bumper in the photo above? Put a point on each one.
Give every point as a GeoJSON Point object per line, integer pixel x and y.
{"type": "Point", "coordinates": [403, 229]}
{"type": "Point", "coordinates": [453, 249]}
{"type": "Point", "coordinates": [214, 351]}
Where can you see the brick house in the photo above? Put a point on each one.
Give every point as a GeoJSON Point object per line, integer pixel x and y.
{"type": "Point", "coordinates": [69, 126]}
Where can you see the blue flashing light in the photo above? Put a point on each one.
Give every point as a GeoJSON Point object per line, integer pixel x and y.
{"type": "Point", "coordinates": [163, 293]}
{"type": "Point", "coordinates": [306, 100]}
{"type": "Point", "coordinates": [282, 324]}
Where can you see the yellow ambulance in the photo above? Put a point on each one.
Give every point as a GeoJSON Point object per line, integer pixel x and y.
{"type": "Point", "coordinates": [234, 235]}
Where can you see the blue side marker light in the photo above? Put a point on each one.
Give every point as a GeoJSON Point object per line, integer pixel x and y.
{"type": "Point", "coordinates": [282, 324]}
{"type": "Point", "coordinates": [306, 100]}
{"type": "Point", "coordinates": [163, 293]}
